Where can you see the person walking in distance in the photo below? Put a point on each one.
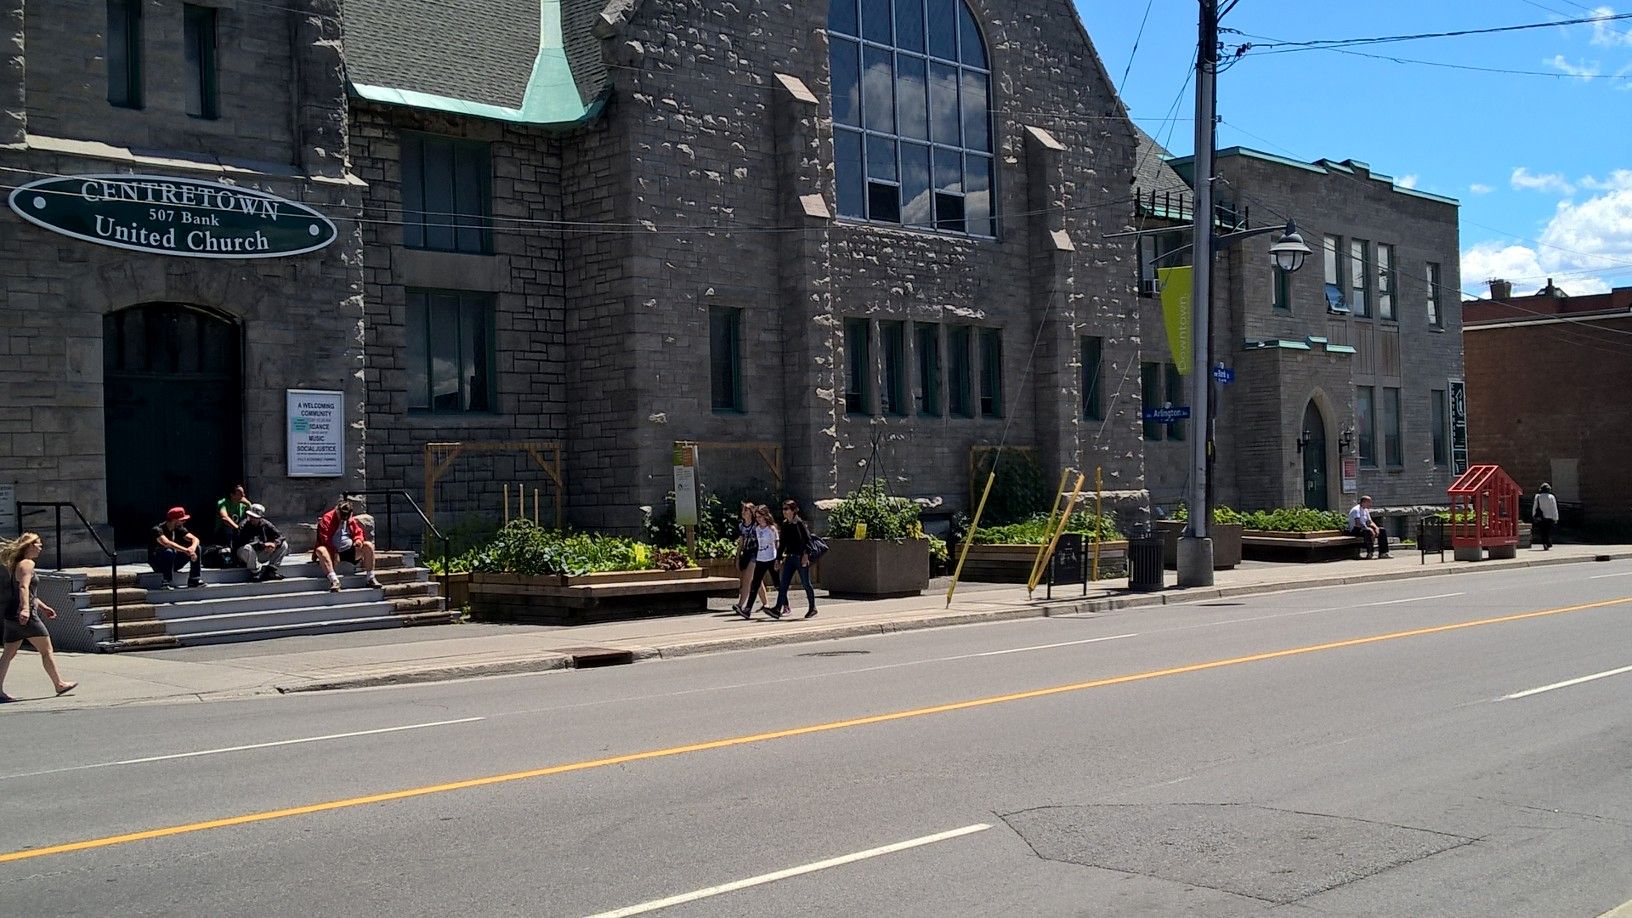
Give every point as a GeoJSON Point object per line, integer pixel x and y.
{"type": "Point", "coordinates": [764, 561]}
{"type": "Point", "coordinates": [341, 538]}
{"type": "Point", "coordinates": [795, 547]}
{"type": "Point", "coordinates": [1544, 516]}
{"type": "Point", "coordinates": [171, 547]}
{"type": "Point", "coordinates": [1363, 527]}
{"type": "Point", "coordinates": [20, 610]}
{"type": "Point", "coordinates": [255, 537]}
{"type": "Point", "coordinates": [747, 550]}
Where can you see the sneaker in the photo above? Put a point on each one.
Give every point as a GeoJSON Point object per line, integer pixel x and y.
{"type": "Point", "coordinates": [745, 613]}
{"type": "Point", "coordinates": [374, 584]}
{"type": "Point", "coordinates": [271, 573]}
{"type": "Point", "coordinates": [811, 613]}
{"type": "Point", "coordinates": [167, 585]}
{"type": "Point", "coordinates": [195, 584]}
{"type": "Point", "coordinates": [334, 587]}
{"type": "Point", "coordinates": [773, 613]}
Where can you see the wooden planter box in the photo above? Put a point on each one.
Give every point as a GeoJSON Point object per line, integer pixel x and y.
{"type": "Point", "coordinates": [719, 567]}
{"type": "Point", "coordinates": [875, 568]}
{"type": "Point", "coordinates": [1009, 563]}
{"type": "Point", "coordinates": [1319, 545]}
{"type": "Point", "coordinates": [1226, 543]}
{"type": "Point", "coordinates": [587, 598]}
{"type": "Point", "coordinates": [458, 587]}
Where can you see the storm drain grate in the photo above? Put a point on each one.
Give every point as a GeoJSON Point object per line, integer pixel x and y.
{"type": "Point", "coordinates": [592, 657]}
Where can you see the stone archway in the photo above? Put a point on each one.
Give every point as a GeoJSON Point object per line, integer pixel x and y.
{"type": "Point", "coordinates": [1316, 471]}
{"type": "Point", "coordinates": [172, 377]}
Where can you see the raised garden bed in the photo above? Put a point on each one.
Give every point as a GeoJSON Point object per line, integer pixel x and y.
{"type": "Point", "coordinates": [875, 568]}
{"type": "Point", "coordinates": [1010, 563]}
{"type": "Point", "coordinates": [587, 598]}
{"type": "Point", "coordinates": [1318, 545]}
{"type": "Point", "coordinates": [1226, 543]}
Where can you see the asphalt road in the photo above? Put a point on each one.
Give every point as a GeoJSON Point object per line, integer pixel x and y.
{"type": "Point", "coordinates": [1345, 751]}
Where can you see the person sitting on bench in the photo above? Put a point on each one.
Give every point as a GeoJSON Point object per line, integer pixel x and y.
{"type": "Point", "coordinates": [1366, 530]}
{"type": "Point", "coordinates": [256, 536]}
{"type": "Point", "coordinates": [341, 538]}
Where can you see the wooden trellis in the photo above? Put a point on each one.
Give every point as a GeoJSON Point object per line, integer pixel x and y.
{"type": "Point", "coordinates": [439, 459]}
{"type": "Point", "coordinates": [769, 453]}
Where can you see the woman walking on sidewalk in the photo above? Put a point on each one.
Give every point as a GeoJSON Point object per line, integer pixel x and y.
{"type": "Point", "coordinates": [795, 537]}
{"type": "Point", "coordinates": [764, 560]}
{"type": "Point", "coordinates": [20, 611]}
{"type": "Point", "coordinates": [747, 552]}
{"type": "Point", "coordinates": [1544, 516]}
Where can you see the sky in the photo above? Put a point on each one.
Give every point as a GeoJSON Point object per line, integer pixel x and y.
{"type": "Point", "coordinates": [1538, 155]}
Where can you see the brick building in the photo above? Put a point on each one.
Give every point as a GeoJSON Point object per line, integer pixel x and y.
{"type": "Point", "coordinates": [1543, 373]}
{"type": "Point", "coordinates": [844, 240]}
{"type": "Point", "coordinates": [1359, 354]}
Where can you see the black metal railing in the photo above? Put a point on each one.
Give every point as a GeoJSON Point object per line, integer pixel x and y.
{"type": "Point", "coordinates": [26, 508]}
{"type": "Point", "coordinates": [390, 495]}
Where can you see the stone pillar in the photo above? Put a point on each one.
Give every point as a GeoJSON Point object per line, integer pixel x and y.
{"type": "Point", "coordinates": [13, 74]}
{"type": "Point", "coordinates": [809, 328]}
{"type": "Point", "coordinates": [319, 94]}
{"type": "Point", "coordinates": [1057, 379]}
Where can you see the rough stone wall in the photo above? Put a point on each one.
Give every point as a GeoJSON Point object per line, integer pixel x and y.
{"type": "Point", "coordinates": [67, 78]}
{"type": "Point", "coordinates": [526, 277]}
{"type": "Point", "coordinates": [700, 113]}
{"type": "Point", "coordinates": [1539, 393]}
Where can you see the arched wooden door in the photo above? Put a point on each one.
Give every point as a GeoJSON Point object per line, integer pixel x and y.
{"type": "Point", "coordinates": [1316, 493]}
{"type": "Point", "coordinates": [173, 395]}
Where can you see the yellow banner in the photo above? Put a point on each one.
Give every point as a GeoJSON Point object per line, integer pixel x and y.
{"type": "Point", "coordinates": [1175, 286]}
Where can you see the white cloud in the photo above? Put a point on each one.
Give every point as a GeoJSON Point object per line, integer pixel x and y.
{"type": "Point", "coordinates": [1524, 180]}
{"type": "Point", "coordinates": [1583, 70]}
{"type": "Point", "coordinates": [1406, 181]}
{"type": "Point", "coordinates": [1477, 188]}
{"type": "Point", "coordinates": [1620, 178]}
{"type": "Point", "coordinates": [1606, 33]}
{"type": "Point", "coordinates": [1583, 247]}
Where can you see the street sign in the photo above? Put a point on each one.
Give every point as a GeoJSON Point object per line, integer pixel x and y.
{"type": "Point", "coordinates": [1166, 415]}
{"type": "Point", "coordinates": [1223, 374]}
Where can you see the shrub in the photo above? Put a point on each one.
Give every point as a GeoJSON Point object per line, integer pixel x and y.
{"type": "Point", "coordinates": [1035, 531]}
{"type": "Point", "coordinates": [1019, 491]}
{"type": "Point", "coordinates": [523, 547]}
{"type": "Point", "coordinates": [886, 517]}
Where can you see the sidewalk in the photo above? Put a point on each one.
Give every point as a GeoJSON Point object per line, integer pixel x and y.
{"type": "Point", "coordinates": [456, 651]}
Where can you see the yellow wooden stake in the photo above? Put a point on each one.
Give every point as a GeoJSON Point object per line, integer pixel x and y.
{"type": "Point", "coordinates": [1099, 514]}
{"type": "Point", "coordinates": [1065, 520]}
{"type": "Point", "coordinates": [969, 538]}
{"type": "Point", "coordinates": [1053, 513]}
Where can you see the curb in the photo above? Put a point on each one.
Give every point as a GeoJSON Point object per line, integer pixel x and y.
{"type": "Point", "coordinates": [550, 661]}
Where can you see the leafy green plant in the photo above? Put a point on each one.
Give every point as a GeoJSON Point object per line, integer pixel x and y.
{"type": "Point", "coordinates": [886, 517]}
{"type": "Point", "coordinates": [1036, 531]}
{"type": "Point", "coordinates": [1221, 514]}
{"type": "Point", "coordinates": [1019, 491]}
{"type": "Point", "coordinates": [1294, 519]}
{"type": "Point", "coordinates": [523, 547]}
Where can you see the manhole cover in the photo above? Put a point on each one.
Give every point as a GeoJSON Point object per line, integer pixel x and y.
{"type": "Point", "coordinates": [1274, 855]}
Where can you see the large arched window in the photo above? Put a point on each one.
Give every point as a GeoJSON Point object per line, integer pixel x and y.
{"type": "Point", "coordinates": [912, 127]}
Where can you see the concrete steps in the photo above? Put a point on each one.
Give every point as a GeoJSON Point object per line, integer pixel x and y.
{"type": "Point", "coordinates": [232, 607]}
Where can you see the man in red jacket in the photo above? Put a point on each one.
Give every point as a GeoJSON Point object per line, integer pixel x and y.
{"type": "Point", "coordinates": [341, 538]}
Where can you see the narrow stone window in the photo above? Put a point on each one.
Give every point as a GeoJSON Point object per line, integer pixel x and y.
{"type": "Point", "coordinates": [1365, 424]}
{"type": "Point", "coordinates": [1093, 353]}
{"type": "Point", "coordinates": [960, 371]}
{"type": "Point", "coordinates": [912, 115]}
{"type": "Point", "coordinates": [858, 394]}
{"type": "Point", "coordinates": [1359, 277]}
{"type": "Point", "coordinates": [927, 343]}
{"type": "Point", "coordinates": [1385, 282]}
{"type": "Point", "coordinates": [1393, 442]}
{"type": "Point", "coordinates": [447, 201]}
{"type": "Point", "coordinates": [450, 351]}
{"type": "Point", "coordinates": [1441, 432]}
{"type": "Point", "coordinates": [198, 38]}
{"type": "Point", "coordinates": [893, 339]}
{"type": "Point", "coordinates": [991, 372]}
{"type": "Point", "coordinates": [725, 359]}
{"type": "Point", "coordinates": [1436, 318]}
{"type": "Point", "coordinates": [124, 53]}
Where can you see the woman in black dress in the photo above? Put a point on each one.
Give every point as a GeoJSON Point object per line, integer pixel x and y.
{"type": "Point", "coordinates": [20, 611]}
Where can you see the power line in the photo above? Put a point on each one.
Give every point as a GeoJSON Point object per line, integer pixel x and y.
{"type": "Point", "coordinates": [1288, 47]}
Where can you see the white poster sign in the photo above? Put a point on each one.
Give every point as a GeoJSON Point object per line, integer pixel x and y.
{"type": "Point", "coordinates": [315, 424]}
{"type": "Point", "coordinates": [685, 484]}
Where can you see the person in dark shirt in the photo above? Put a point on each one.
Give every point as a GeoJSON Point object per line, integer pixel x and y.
{"type": "Point", "coordinates": [256, 536]}
{"type": "Point", "coordinates": [794, 538]}
{"type": "Point", "coordinates": [171, 547]}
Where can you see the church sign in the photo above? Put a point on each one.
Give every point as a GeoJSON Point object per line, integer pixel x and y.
{"type": "Point", "coordinates": [165, 215]}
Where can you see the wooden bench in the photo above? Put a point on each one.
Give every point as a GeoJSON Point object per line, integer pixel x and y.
{"type": "Point", "coordinates": [1328, 545]}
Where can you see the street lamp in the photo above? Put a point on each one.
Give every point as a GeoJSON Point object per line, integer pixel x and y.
{"type": "Point", "coordinates": [1288, 253]}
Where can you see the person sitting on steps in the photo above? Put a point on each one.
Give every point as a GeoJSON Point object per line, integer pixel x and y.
{"type": "Point", "coordinates": [255, 537]}
{"type": "Point", "coordinates": [1364, 528]}
{"type": "Point", "coordinates": [171, 546]}
{"type": "Point", "coordinates": [340, 537]}
{"type": "Point", "coordinates": [230, 512]}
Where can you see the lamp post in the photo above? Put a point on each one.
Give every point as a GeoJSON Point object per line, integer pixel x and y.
{"type": "Point", "coordinates": [1195, 554]}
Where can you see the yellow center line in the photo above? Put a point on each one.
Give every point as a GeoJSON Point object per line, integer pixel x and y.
{"type": "Point", "coordinates": [409, 793]}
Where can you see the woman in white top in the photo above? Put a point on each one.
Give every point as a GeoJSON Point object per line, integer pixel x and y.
{"type": "Point", "coordinates": [1543, 516]}
{"type": "Point", "coordinates": [765, 537]}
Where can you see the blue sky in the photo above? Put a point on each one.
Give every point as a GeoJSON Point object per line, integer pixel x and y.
{"type": "Point", "coordinates": [1539, 158]}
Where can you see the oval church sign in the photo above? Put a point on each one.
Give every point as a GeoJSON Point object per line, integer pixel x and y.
{"type": "Point", "coordinates": [165, 215]}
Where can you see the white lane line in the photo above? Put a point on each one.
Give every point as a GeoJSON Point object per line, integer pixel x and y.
{"type": "Point", "coordinates": [1395, 602]}
{"type": "Point", "coordinates": [1567, 683]}
{"type": "Point", "coordinates": [1607, 576]}
{"type": "Point", "coordinates": [998, 653]}
{"type": "Point", "coordinates": [287, 742]}
{"type": "Point", "coordinates": [764, 878]}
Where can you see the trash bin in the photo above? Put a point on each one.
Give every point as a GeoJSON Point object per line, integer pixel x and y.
{"type": "Point", "coordinates": [1145, 571]}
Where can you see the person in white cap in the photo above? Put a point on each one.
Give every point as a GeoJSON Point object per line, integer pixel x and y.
{"type": "Point", "coordinates": [256, 537]}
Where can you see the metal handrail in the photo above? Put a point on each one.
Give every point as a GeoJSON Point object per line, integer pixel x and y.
{"type": "Point", "coordinates": [28, 507]}
{"type": "Point", "coordinates": [390, 493]}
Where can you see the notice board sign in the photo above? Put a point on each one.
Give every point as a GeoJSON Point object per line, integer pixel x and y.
{"type": "Point", "coordinates": [685, 484]}
{"type": "Point", "coordinates": [1069, 563]}
{"type": "Point", "coordinates": [1351, 474]}
{"type": "Point", "coordinates": [315, 424]}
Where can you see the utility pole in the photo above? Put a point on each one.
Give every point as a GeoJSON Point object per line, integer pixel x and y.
{"type": "Point", "coordinates": [1196, 549]}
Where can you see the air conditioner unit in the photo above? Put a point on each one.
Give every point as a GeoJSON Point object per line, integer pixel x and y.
{"type": "Point", "coordinates": [1338, 310]}
{"type": "Point", "coordinates": [1150, 286]}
